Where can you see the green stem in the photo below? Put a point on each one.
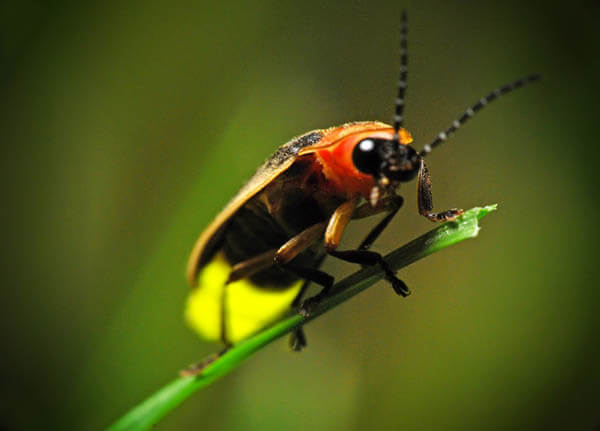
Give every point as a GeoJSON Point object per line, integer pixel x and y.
{"type": "Point", "coordinates": [150, 411]}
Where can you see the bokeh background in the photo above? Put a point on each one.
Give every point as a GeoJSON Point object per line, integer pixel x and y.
{"type": "Point", "coordinates": [125, 127]}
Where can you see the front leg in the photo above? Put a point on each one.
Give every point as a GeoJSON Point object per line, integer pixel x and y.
{"type": "Point", "coordinates": [425, 198]}
{"type": "Point", "coordinates": [333, 234]}
{"type": "Point", "coordinates": [392, 204]}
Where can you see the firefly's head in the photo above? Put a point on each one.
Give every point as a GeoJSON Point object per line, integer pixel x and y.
{"type": "Point", "coordinates": [388, 161]}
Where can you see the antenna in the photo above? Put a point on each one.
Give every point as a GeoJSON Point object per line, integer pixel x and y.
{"type": "Point", "coordinates": [443, 136]}
{"type": "Point", "coordinates": [398, 119]}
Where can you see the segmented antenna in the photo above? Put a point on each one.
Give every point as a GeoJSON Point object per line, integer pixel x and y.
{"type": "Point", "coordinates": [398, 119]}
{"type": "Point", "coordinates": [443, 136]}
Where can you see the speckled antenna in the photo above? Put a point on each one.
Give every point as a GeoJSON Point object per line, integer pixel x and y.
{"type": "Point", "coordinates": [443, 136]}
{"type": "Point", "coordinates": [398, 119]}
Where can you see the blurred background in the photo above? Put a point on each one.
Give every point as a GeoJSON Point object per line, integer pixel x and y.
{"type": "Point", "coordinates": [126, 127]}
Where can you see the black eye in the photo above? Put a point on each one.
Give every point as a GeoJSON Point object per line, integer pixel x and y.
{"type": "Point", "coordinates": [366, 156]}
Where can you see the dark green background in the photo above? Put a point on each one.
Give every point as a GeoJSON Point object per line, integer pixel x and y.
{"type": "Point", "coordinates": [126, 127]}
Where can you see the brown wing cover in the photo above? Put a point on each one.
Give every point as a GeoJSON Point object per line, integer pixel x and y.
{"type": "Point", "coordinates": [279, 162]}
{"type": "Point", "coordinates": [271, 168]}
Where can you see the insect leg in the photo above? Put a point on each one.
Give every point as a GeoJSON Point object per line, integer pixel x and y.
{"type": "Point", "coordinates": [385, 204]}
{"type": "Point", "coordinates": [224, 340]}
{"type": "Point", "coordinates": [425, 198]}
{"type": "Point", "coordinates": [297, 245]}
{"type": "Point", "coordinates": [298, 299]}
{"type": "Point", "coordinates": [338, 222]}
{"type": "Point", "coordinates": [251, 266]}
{"type": "Point", "coordinates": [369, 258]}
{"type": "Point", "coordinates": [297, 339]}
{"type": "Point", "coordinates": [312, 274]}
{"type": "Point", "coordinates": [287, 252]}
{"type": "Point", "coordinates": [333, 235]}
{"type": "Point", "coordinates": [197, 368]}
{"type": "Point", "coordinates": [391, 204]}
{"type": "Point", "coordinates": [282, 256]}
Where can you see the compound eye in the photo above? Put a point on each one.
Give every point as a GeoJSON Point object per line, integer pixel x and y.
{"type": "Point", "coordinates": [366, 157]}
